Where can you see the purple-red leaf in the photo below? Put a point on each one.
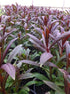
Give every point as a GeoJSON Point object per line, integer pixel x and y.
{"type": "Point", "coordinates": [27, 62]}
{"type": "Point", "coordinates": [68, 54]}
{"type": "Point", "coordinates": [10, 69]}
{"type": "Point", "coordinates": [14, 52]}
{"type": "Point", "coordinates": [50, 64]}
{"type": "Point", "coordinates": [45, 57]}
{"type": "Point", "coordinates": [67, 48]}
{"type": "Point", "coordinates": [37, 45]}
{"type": "Point", "coordinates": [26, 76]}
{"type": "Point", "coordinates": [35, 39]}
{"type": "Point", "coordinates": [64, 35]}
{"type": "Point", "coordinates": [7, 48]}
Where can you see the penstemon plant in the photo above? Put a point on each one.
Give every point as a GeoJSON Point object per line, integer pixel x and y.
{"type": "Point", "coordinates": [7, 68]}
{"type": "Point", "coordinates": [48, 31]}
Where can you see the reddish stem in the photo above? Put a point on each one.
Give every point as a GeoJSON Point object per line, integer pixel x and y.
{"type": "Point", "coordinates": [0, 56]}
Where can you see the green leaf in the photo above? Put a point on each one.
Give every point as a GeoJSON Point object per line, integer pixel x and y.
{"type": "Point", "coordinates": [9, 82]}
{"type": "Point", "coordinates": [40, 76]}
{"type": "Point", "coordinates": [31, 75]}
{"type": "Point", "coordinates": [58, 56]}
{"type": "Point", "coordinates": [34, 82]}
{"type": "Point", "coordinates": [58, 92]}
{"type": "Point", "coordinates": [53, 86]}
{"type": "Point", "coordinates": [59, 84]}
{"type": "Point", "coordinates": [24, 90]}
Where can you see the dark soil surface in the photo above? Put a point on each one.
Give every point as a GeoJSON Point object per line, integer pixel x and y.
{"type": "Point", "coordinates": [42, 89]}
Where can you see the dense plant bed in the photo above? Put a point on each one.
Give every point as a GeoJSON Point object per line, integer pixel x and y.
{"type": "Point", "coordinates": [34, 51]}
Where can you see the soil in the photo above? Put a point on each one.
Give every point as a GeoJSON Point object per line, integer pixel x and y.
{"type": "Point", "coordinates": [42, 89]}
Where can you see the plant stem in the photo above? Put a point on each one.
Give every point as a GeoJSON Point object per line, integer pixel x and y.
{"type": "Point", "coordinates": [0, 56]}
{"type": "Point", "coordinates": [50, 73]}
{"type": "Point", "coordinates": [3, 88]}
{"type": "Point", "coordinates": [67, 86]}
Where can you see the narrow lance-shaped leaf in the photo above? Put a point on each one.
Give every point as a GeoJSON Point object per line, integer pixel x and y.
{"type": "Point", "coordinates": [37, 45]}
{"type": "Point", "coordinates": [27, 62]}
{"type": "Point", "coordinates": [14, 52]}
{"type": "Point", "coordinates": [51, 36]}
{"type": "Point", "coordinates": [35, 39]}
{"type": "Point", "coordinates": [7, 48]}
{"type": "Point", "coordinates": [0, 56]}
{"type": "Point", "coordinates": [10, 69]}
{"type": "Point", "coordinates": [40, 21]}
{"type": "Point", "coordinates": [43, 38]}
{"type": "Point", "coordinates": [68, 54]}
{"type": "Point", "coordinates": [50, 64]}
{"type": "Point", "coordinates": [39, 30]}
{"type": "Point", "coordinates": [45, 57]}
{"type": "Point", "coordinates": [54, 27]}
{"type": "Point", "coordinates": [59, 38]}
{"type": "Point", "coordinates": [26, 76]}
{"type": "Point", "coordinates": [31, 75]}
{"type": "Point", "coordinates": [34, 82]}
{"type": "Point", "coordinates": [53, 86]}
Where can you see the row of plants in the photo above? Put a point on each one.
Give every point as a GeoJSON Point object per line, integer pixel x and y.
{"type": "Point", "coordinates": [34, 50]}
